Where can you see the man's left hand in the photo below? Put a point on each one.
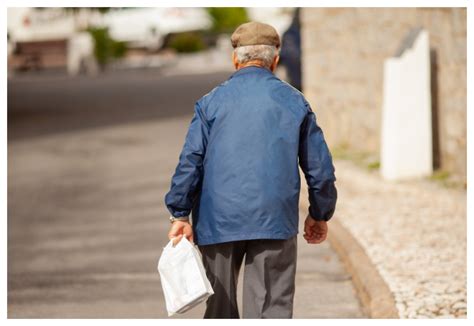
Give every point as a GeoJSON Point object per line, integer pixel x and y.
{"type": "Point", "coordinates": [315, 231]}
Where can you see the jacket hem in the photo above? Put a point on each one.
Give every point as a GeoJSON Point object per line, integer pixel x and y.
{"type": "Point", "coordinates": [202, 241]}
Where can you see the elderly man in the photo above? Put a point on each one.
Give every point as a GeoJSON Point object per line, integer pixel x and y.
{"type": "Point", "coordinates": [238, 177]}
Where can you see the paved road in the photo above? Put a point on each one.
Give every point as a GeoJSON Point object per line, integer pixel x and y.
{"type": "Point", "coordinates": [89, 162]}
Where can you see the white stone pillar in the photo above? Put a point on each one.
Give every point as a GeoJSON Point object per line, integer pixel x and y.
{"type": "Point", "coordinates": [406, 133]}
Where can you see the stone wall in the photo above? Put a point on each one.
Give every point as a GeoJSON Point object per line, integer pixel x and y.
{"type": "Point", "coordinates": [343, 54]}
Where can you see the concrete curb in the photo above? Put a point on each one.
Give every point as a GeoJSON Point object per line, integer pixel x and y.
{"type": "Point", "coordinates": [376, 298]}
{"type": "Point", "coordinates": [374, 294]}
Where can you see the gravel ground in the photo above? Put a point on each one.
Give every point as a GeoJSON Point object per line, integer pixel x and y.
{"type": "Point", "coordinates": [415, 233]}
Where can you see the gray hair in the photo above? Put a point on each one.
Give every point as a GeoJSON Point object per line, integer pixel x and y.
{"type": "Point", "coordinates": [264, 53]}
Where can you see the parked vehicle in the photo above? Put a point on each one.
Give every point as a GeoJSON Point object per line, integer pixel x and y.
{"type": "Point", "coordinates": [43, 37]}
{"type": "Point", "coordinates": [148, 27]}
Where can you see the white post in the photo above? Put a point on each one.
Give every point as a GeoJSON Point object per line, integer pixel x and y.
{"type": "Point", "coordinates": [80, 54]}
{"type": "Point", "coordinates": [406, 135]}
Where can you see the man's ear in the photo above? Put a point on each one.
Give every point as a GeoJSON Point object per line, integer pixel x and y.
{"type": "Point", "coordinates": [234, 60]}
{"type": "Point", "coordinates": [275, 63]}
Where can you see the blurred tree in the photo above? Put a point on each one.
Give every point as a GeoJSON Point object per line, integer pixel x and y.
{"type": "Point", "coordinates": [187, 42]}
{"type": "Point", "coordinates": [106, 48]}
{"type": "Point", "coordinates": [226, 19]}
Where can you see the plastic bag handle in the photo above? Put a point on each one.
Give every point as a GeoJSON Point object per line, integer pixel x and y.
{"type": "Point", "coordinates": [170, 243]}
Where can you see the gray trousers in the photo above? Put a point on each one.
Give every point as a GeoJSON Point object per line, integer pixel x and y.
{"type": "Point", "coordinates": [269, 278]}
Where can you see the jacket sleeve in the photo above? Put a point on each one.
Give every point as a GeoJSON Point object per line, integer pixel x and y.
{"type": "Point", "coordinates": [316, 162]}
{"type": "Point", "coordinates": [187, 178]}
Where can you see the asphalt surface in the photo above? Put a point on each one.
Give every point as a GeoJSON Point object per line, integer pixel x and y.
{"type": "Point", "coordinates": [89, 163]}
{"type": "Point", "coordinates": [55, 103]}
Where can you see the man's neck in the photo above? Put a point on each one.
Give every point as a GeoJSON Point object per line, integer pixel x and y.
{"type": "Point", "coordinates": [254, 63]}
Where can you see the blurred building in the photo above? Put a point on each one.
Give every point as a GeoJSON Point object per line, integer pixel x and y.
{"type": "Point", "coordinates": [55, 37]}
{"type": "Point", "coordinates": [343, 55]}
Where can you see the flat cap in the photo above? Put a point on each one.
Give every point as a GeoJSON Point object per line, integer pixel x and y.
{"type": "Point", "coordinates": [254, 33]}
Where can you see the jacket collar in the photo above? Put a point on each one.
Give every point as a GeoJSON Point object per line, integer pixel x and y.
{"type": "Point", "coordinates": [250, 69]}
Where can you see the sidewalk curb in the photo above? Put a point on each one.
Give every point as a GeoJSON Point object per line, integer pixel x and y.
{"type": "Point", "coordinates": [376, 298]}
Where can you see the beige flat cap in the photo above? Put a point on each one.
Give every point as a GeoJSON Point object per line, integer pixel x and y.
{"type": "Point", "coordinates": [254, 33]}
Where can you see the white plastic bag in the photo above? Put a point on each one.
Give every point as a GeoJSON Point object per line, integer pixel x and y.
{"type": "Point", "coordinates": [183, 277]}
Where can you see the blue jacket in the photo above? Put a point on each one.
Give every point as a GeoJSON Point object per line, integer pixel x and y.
{"type": "Point", "coordinates": [238, 170]}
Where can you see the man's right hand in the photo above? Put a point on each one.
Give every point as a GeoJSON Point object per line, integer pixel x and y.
{"type": "Point", "coordinates": [180, 228]}
{"type": "Point", "coordinates": [315, 231]}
